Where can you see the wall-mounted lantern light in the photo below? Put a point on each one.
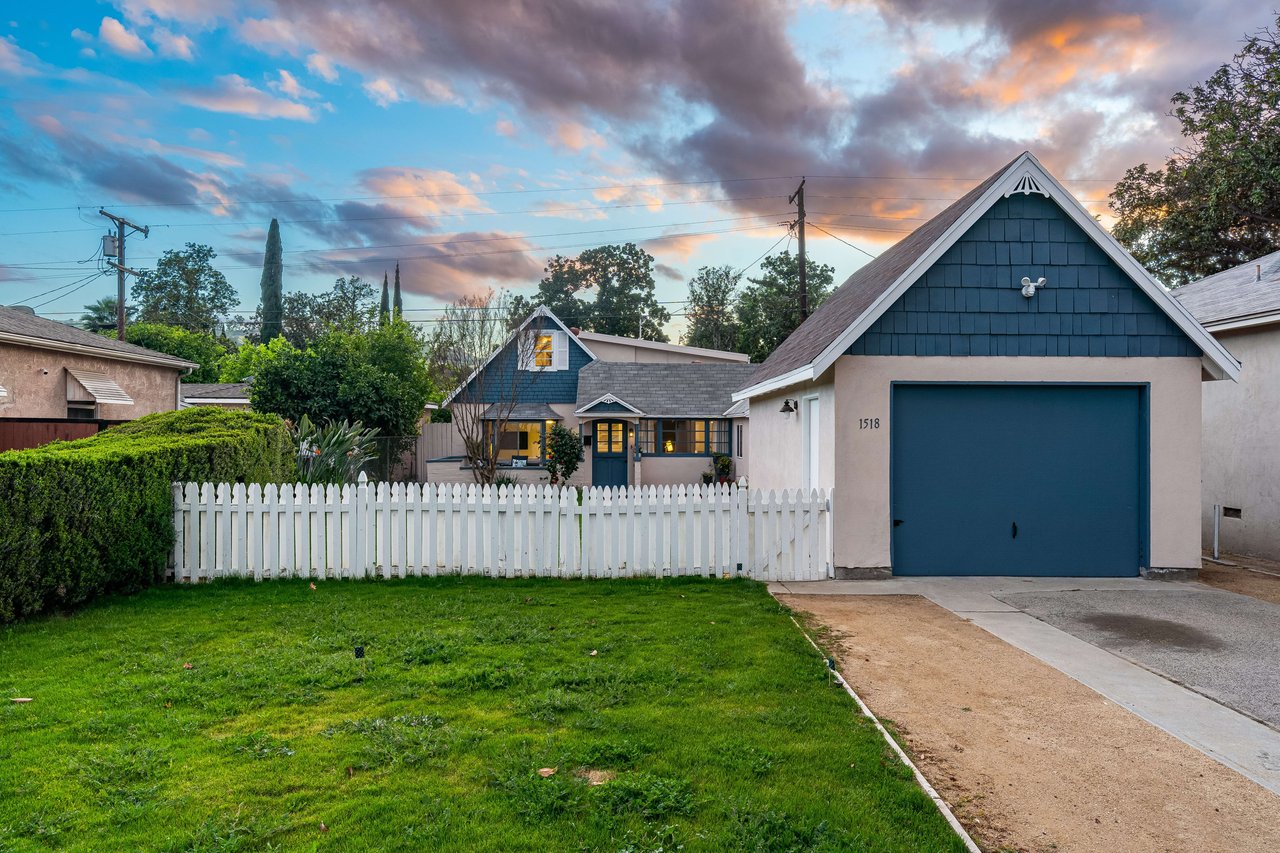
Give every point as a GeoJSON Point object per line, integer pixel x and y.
{"type": "Point", "coordinates": [788, 407]}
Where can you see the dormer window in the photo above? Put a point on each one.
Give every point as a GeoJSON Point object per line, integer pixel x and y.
{"type": "Point", "coordinates": [546, 350]}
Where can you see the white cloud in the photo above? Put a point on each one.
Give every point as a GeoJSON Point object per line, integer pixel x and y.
{"type": "Point", "coordinates": [231, 93]}
{"type": "Point", "coordinates": [81, 36]}
{"type": "Point", "coordinates": [322, 66]}
{"type": "Point", "coordinates": [382, 92]}
{"type": "Point", "coordinates": [122, 41]}
{"type": "Point", "coordinates": [288, 85]}
{"type": "Point", "coordinates": [173, 45]}
{"type": "Point", "coordinates": [15, 61]}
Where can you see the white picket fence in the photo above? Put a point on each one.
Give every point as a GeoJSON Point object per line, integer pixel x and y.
{"type": "Point", "coordinates": [412, 529]}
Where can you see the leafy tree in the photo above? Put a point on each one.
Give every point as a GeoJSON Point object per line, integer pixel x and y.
{"type": "Point", "coordinates": [712, 320]}
{"type": "Point", "coordinates": [350, 306]}
{"type": "Point", "coordinates": [247, 361]}
{"type": "Point", "coordinates": [621, 280]}
{"type": "Point", "coordinates": [1214, 204]}
{"type": "Point", "coordinates": [100, 316]}
{"type": "Point", "coordinates": [272, 285]}
{"type": "Point", "coordinates": [184, 290]}
{"type": "Point", "coordinates": [201, 347]}
{"type": "Point", "coordinates": [377, 377]}
{"type": "Point", "coordinates": [564, 453]}
{"type": "Point", "coordinates": [397, 304]}
{"type": "Point", "coordinates": [768, 308]}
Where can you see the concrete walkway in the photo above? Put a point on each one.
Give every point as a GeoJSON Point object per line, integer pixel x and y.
{"type": "Point", "coordinates": [1243, 744]}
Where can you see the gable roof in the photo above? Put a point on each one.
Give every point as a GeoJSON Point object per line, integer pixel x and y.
{"type": "Point", "coordinates": [19, 327]}
{"type": "Point", "coordinates": [816, 344]}
{"type": "Point", "coordinates": [664, 390]}
{"type": "Point", "coordinates": [1241, 296]}
{"type": "Point", "coordinates": [540, 311]}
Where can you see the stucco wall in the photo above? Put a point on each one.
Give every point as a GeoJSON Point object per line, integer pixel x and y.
{"type": "Point", "coordinates": [1241, 438]}
{"type": "Point", "coordinates": [777, 441]}
{"type": "Point", "coordinates": [613, 351]}
{"type": "Point", "coordinates": [37, 383]}
{"type": "Point", "coordinates": [861, 460]}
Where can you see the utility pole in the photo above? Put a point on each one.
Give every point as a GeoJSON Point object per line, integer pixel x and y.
{"type": "Point", "coordinates": [118, 263]}
{"type": "Point", "coordinates": [797, 198]}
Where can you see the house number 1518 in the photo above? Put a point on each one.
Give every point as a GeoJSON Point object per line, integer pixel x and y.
{"type": "Point", "coordinates": [868, 423]}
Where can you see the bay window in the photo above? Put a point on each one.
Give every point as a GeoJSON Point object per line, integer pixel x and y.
{"type": "Point", "coordinates": [683, 436]}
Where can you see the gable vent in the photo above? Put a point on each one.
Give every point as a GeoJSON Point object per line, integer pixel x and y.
{"type": "Point", "coordinates": [1027, 185]}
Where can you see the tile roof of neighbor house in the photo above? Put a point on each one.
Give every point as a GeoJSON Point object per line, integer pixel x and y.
{"type": "Point", "coordinates": [665, 390]}
{"type": "Point", "coordinates": [215, 391]}
{"type": "Point", "coordinates": [1236, 293]}
{"type": "Point", "coordinates": [16, 324]}
{"type": "Point", "coordinates": [843, 307]}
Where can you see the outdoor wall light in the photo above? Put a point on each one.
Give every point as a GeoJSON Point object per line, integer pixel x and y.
{"type": "Point", "coordinates": [1029, 286]}
{"type": "Point", "coordinates": [788, 407]}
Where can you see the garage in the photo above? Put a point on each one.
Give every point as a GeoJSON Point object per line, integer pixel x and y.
{"type": "Point", "coordinates": [1018, 479]}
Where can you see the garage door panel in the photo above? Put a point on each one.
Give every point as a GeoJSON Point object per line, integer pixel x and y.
{"type": "Point", "coordinates": [1017, 479]}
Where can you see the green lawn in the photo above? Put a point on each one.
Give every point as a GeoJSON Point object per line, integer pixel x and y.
{"type": "Point", "coordinates": [705, 709]}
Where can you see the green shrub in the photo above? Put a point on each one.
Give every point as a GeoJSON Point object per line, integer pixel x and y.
{"type": "Point", "coordinates": [83, 518]}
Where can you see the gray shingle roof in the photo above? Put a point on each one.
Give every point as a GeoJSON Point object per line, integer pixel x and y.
{"type": "Point", "coordinates": [1234, 293]}
{"type": "Point", "coordinates": [17, 322]}
{"type": "Point", "coordinates": [665, 390]}
{"type": "Point", "coordinates": [843, 308]}
{"type": "Point", "coordinates": [215, 390]}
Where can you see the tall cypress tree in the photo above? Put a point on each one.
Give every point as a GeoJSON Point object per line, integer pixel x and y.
{"type": "Point", "coordinates": [397, 303]}
{"type": "Point", "coordinates": [384, 307]}
{"type": "Point", "coordinates": [272, 285]}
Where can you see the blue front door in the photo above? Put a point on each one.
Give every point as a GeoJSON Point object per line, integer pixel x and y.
{"type": "Point", "coordinates": [609, 453]}
{"type": "Point", "coordinates": [1040, 480]}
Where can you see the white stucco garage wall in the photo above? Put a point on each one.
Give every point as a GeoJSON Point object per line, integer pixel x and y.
{"type": "Point", "coordinates": [861, 522]}
{"type": "Point", "coordinates": [777, 441]}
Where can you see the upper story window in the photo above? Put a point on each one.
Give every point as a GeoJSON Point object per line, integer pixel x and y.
{"type": "Point", "coordinates": [545, 350]}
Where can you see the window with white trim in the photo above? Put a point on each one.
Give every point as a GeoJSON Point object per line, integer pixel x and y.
{"type": "Point", "coordinates": [545, 350]}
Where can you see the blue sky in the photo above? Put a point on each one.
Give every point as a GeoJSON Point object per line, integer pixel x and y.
{"type": "Point", "coordinates": [470, 140]}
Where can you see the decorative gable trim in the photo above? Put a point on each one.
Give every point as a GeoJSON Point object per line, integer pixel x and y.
{"type": "Point", "coordinates": [1026, 185]}
{"type": "Point", "coordinates": [540, 311]}
{"type": "Point", "coordinates": [608, 399]}
{"type": "Point", "coordinates": [1216, 360]}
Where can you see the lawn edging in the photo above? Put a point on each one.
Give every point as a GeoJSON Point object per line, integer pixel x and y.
{"type": "Point", "coordinates": [894, 745]}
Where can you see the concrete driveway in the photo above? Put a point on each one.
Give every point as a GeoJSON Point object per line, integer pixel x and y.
{"type": "Point", "coordinates": [1199, 663]}
{"type": "Point", "coordinates": [1223, 645]}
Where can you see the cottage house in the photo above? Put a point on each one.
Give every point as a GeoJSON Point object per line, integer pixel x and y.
{"type": "Point", "coordinates": [1240, 469]}
{"type": "Point", "coordinates": [61, 382]}
{"type": "Point", "coordinates": [1005, 391]}
{"type": "Point", "coordinates": [649, 413]}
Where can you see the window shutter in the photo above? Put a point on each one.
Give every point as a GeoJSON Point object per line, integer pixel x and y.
{"type": "Point", "coordinates": [560, 351]}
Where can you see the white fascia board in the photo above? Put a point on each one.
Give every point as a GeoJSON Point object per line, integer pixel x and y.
{"type": "Point", "coordinates": [608, 398]}
{"type": "Point", "coordinates": [159, 359]}
{"type": "Point", "coordinates": [1243, 322]}
{"type": "Point", "coordinates": [540, 311]}
{"type": "Point", "coordinates": [800, 374]}
{"type": "Point", "coordinates": [1217, 361]}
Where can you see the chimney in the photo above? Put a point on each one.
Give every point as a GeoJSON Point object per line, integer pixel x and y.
{"type": "Point", "coordinates": [1258, 275]}
{"type": "Point", "coordinates": [576, 331]}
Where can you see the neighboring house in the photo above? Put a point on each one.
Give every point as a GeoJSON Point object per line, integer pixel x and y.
{"type": "Point", "coordinates": [1005, 391]}
{"type": "Point", "coordinates": [226, 395]}
{"type": "Point", "coordinates": [62, 382]}
{"type": "Point", "coordinates": [649, 413]}
{"type": "Point", "coordinates": [1240, 470]}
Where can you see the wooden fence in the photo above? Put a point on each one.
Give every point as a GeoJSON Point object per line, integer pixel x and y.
{"type": "Point", "coordinates": [411, 529]}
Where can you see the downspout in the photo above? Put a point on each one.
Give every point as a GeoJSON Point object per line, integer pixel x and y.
{"type": "Point", "coordinates": [177, 391]}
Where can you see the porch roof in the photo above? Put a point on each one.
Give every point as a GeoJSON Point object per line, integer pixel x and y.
{"type": "Point", "coordinates": [662, 390]}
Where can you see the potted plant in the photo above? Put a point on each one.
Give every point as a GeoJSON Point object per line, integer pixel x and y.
{"type": "Point", "coordinates": [722, 465]}
{"type": "Point", "coordinates": [708, 477]}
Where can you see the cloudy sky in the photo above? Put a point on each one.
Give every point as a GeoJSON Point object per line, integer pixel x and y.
{"type": "Point", "coordinates": [472, 139]}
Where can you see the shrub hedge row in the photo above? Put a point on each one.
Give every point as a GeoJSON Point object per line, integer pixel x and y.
{"type": "Point", "coordinates": [83, 518]}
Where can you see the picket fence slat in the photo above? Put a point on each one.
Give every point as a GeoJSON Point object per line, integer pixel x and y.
{"type": "Point", "coordinates": [402, 530]}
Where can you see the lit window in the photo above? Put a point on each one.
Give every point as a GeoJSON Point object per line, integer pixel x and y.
{"type": "Point", "coordinates": [520, 440]}
{"type": "Point", "coordinates": [683, 437]}
{"type": "Point", "coordinates": [544, 351]}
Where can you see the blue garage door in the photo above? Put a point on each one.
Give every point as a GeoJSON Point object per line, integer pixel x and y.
{"type": "Point", "coordinates": [1043, 480]}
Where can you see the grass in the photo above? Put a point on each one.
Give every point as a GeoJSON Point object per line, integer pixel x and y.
{"type": "Point", "coordinates": [679, 714]}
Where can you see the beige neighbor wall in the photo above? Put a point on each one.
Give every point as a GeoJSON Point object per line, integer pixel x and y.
{"type": "Point", "coordinates": [741, 449]}
{"type": "Point", "coordinates": [1241, 436]}
{"type": "Point", "coordinates": [862, 512]}
{"type": "Point", "coordinates": [36, 379]}
{"type": "Point", "coordinates": [612, 351]}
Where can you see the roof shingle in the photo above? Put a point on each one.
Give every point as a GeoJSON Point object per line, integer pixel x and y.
{"type": "Point", "coordinates": [665, 390]}
{"type": "Point", "coordinates": [14, 321]}
{"type": "Point", "coordinates": [1234, 293]}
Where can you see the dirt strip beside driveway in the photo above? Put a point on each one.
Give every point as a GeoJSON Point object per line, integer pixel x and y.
{"type": "Point", "coordinates": [1028, 758]}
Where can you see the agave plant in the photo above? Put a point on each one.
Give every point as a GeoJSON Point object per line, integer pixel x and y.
{"type": "Point", "coordinates": [333, 453]}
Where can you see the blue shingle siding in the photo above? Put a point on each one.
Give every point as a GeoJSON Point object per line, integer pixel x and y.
{"type": "Point", "coordinates": [609, 407]}
{"type": "Point", "coordinates": [548, 386]}
{"type": "Point", "coordinates": [970, 302]}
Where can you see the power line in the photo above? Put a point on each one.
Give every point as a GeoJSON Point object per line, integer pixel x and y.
{"type": "Point", "coordinates": [842, 240]}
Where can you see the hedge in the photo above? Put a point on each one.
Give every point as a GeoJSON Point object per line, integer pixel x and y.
{"type": "Point", "coordinates": [82, 518]}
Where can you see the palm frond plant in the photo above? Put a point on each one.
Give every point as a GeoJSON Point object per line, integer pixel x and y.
{"type": "Point", "coordinates": [334, 453]}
